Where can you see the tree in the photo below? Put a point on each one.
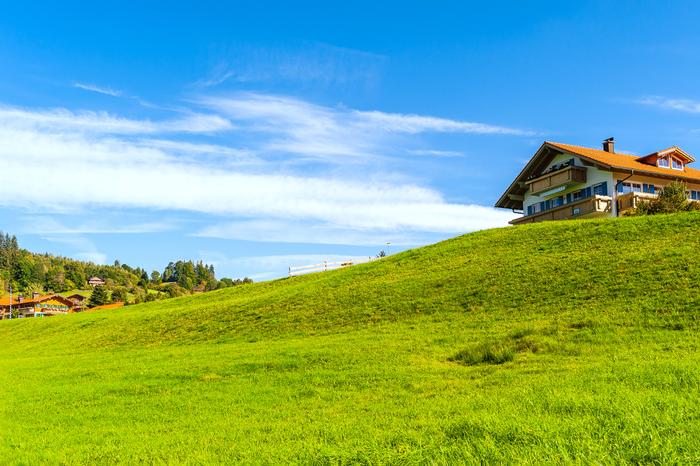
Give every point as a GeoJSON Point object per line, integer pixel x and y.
{"type": "Point", "coordinates": [119, 295]}
{"type": "Point", "coordinates": [98, 297]}
{"type": "Point", "coordinates": [671, 199]}
{"type": "Point", "coordinates": [143, 281]}
{"type": "Point", "coordinates": [155, 277]}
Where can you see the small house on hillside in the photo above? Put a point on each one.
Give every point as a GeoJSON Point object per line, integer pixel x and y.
{"type": "Point", "coordinates": [563, 181]}
{"type": "Point", "coordinates": [78, 301]}
{"type": "Point", "coordinates": [95, 281]}
{"type": "Point", "coordinates": [37, 305]}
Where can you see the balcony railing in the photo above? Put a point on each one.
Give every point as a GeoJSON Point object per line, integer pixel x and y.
{"type": "Point", "coordinates": [594, 206]}
{"type": "Point", "coordinates": [563, 177]}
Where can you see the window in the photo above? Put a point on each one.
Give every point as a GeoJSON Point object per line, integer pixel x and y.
{"type": "Point", "coordinates": [629, 188]}
{"type": "Point", "coordinates": [676, 164]}
{"type": "Point", "coordinates": [648, 188]}
{"type": "Point", "coordinates": [694, 195]}
{"type": "Point", "coordinates": [600, 189]}
{"type": "Point", "coordinates": [662, 162]}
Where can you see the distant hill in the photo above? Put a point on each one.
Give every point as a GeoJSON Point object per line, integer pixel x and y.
{"type": "Point", "coordinates": [26, 272]}
{"type": "Point", "coordinates": [557, 342]}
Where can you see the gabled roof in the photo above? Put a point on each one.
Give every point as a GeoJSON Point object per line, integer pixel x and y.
{"type": "Point", "coordinates": [628, 162]}
{"type": "Point", "coordinates": [28, 300]}
{"type": "Point", "coordinates": [512, 198]}
{"type": "Point", "coordinates": [674, 150]}
{"type": "Point", "coordinates": [77, 296]}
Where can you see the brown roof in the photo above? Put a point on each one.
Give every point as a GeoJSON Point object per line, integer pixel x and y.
{"type": "Point", "coordinates": [28, 300]}
{"type": "Point", "coordinates": [77, 296]}
{"type": "Point", "coordinates": [512, 197]}
{"type": "Point", "coordinates": [629, 162]}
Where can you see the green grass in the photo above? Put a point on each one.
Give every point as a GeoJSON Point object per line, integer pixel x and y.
{"type": "Point", "coordinates": [569, 342]}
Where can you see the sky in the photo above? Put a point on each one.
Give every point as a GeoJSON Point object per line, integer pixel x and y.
{"type": "Point", "coordinates": [261, 135]}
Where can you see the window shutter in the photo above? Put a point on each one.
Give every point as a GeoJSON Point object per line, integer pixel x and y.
{"type": "Point", "coordinates": [620, 188]}
{"type": "Point", "coordinates": [651, 188]}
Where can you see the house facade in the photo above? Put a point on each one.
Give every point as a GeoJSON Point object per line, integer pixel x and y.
{"type": "Point", "coordinates": [37, 305]}
{"type": "Point", "coordinates": [564, 181]}
{"type": "Point", "coordinates": [96, 281]}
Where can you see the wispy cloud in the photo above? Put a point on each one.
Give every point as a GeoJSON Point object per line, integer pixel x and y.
{"type": "Point", "coordinates": [87, 249]}
{"type": "Point", "coordinates": [436, 153]}
{"type": "Point", "coordinates": [279, 207]}
{"type": "Point", "coordinates": [315, 131]}
{"type": "Point", "coordinates": [309, 64]}
{"type": "Point", "coordinates": [414, 124]}
{"type": "Point", "coordinates": [681, 105]}
{"type": "Point", "coordinates": [98, 89]}
{"type": "Point", "coordinates": [49, 225]}
{"type": "Point", "coordinates": [251, 197]}
{"type": "Point", "coordinates": [62, 120]}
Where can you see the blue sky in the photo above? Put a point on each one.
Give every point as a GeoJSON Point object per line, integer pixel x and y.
{"type": "Point", "coordinates": [258, 135]}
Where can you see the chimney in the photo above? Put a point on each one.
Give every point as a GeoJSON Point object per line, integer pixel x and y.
{"type": "Point", "coordinates": [20, 298]}
{"type": "Point", "coordinates": [609, 145]}
{"type": "Point", "coordinates": [35, 295]}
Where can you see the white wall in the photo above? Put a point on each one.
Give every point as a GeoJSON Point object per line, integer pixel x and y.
{"type": "Point", "coordinates": [593, 176]}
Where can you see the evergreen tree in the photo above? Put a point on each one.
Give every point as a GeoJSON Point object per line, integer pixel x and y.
{"type": "Point", "coordinates": [99, 297]}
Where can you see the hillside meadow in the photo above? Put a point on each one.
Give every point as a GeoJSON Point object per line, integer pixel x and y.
{"type": "Point", "coordinates": [568, 342]}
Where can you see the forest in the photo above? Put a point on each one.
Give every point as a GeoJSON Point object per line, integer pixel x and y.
{"type": "Point", "coordinates": [26, 272]}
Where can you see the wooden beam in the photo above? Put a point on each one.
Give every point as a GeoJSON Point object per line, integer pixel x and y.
{"type": "Point", "coordinates": [515, 197]}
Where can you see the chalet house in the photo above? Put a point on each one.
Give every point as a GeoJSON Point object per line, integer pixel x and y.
{"type": "Point", "coordinates": [78, 301]}
{"type": "Point", "coordinates": [37, 305]}
{"type": "Point", "coordinates": [95, 281]}
{"type": "Point", "coordinates": [563, 181]}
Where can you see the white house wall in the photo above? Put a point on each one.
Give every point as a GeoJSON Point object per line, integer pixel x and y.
{"type": "Point", "coordinates": [593, 177]}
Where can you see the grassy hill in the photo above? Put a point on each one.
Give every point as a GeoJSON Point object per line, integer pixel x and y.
{"type": "Point", "coordinates": [558, 342]}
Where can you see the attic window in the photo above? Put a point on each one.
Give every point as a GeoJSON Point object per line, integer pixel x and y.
{"type": "Point", "coordinates": [662, 162]}
{"type": "Point", "coordinates": [676, 164]}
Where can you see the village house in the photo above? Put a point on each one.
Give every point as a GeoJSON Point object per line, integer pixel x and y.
{"type": "Point", "coordinates": [564, 181]}
{"type": "Point", "coordinates": [37, 305]}
{"type": "Point", "coordinates": [96, 281]}
{"type": "Point", "coordinates": [78, 301]}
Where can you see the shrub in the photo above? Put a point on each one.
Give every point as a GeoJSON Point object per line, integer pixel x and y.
{"type": "Point", "coordinates": [485, 353]}
{"type": "Point", "coordinates": [673, 198]}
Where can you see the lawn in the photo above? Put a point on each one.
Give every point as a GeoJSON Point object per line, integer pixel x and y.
{"type": "Point", "coordinates": [561, 342]}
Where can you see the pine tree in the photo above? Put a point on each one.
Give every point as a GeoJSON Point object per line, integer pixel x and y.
{"type": "Point", "coordinates": [98, 297]}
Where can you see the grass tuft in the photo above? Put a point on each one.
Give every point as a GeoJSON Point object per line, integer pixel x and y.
{"type": "Point", "coordinates": [485, 353]}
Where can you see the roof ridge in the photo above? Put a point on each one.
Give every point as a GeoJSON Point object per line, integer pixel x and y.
{"type": "Point", "coordinates": [590, 148]}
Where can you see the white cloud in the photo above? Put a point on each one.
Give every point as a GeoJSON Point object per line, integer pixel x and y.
{"type": "Point", "coordinates": [47, 225]}
{"type": "Point", "coordinates": [82, 162]}
{"type": "Point", "coordinates": [436, 153]}
{"type": "Point", "coordinates": [96, 257]}
{"type": "Point", "coordinates": [326, 133]}
{"type": "Point", "coordinates": [413, 124]}
{"type": "Point", "coordinates": [63, 121]}
{"type": "Point", "coordinates": [312, 63]}
{"type": "Point", "coordinates": [681, 105]}
{"type": "Point", "coordinates": [88, 250]}
{"type": "Point", "coordinates": [98, 89]}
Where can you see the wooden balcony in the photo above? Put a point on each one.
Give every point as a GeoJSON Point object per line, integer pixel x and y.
{"type": "Point", "coordinates": [563, 177]}
{"type": "Point", "coordinates": [595, 206]}
{"type": "Point", "coordinates": [631, 200]}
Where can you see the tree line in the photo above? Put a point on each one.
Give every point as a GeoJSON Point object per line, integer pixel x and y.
{"type": "Point", "coordinates": [28, 272]}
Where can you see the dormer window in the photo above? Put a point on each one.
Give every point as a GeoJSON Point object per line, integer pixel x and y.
{"type": "Point", "coordinates": [662, 162]}
{"type": "Point", "coordinates": [676, 164]}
